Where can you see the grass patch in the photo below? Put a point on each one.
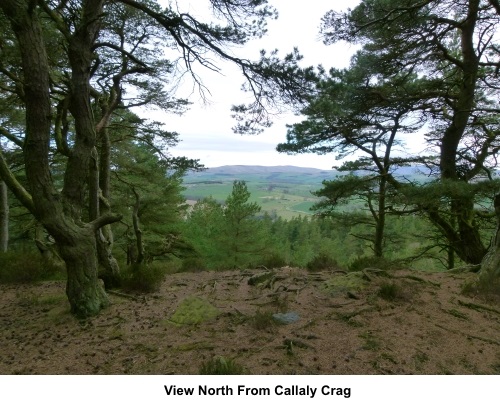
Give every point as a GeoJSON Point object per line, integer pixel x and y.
{"type": "Point", "coordinates": [341, 284]}
{"type": "Point", "coordinates": [20, 267]}
{"type": "Point", "coordinates": [192, 311]}
{"type": "Point", "coordinates": [263, 320]}
{"type": "Point", "coordinates": [371, 342]}
{"type": "Point", "coordinates": [388, 357]}
{"type": "Point", "coordinates": [221, 366]}
{"type": "Point", "coordinates": [27, 299]}
{"type": "Point", "coordinates": [187, 347]}
{"type": "Point", "coordinates": [348, 319]}
{"type": "Point", "coordinates": [144, 278]}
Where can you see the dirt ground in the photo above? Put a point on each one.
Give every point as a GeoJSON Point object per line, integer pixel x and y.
{"type": "Point", "coordinates": [401, 322]}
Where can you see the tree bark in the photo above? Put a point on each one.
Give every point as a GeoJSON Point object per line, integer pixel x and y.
{"type": "Point", "coordinates": [466, 241]}
{"type": "Point", "coordinates": [109, 270]}
{"type": "Point", "coordinates": [4, 218]}
{"type": "Point", "coordinates": [61, 216]}
{"type": "Point", "coordinates": [137, 228]}
{"type": "Point", "coordinates": [85, 291]}
{"type": "Point", "coordinates": [490, 266]}
{"type": "Point", "coordinates": [50, 257]}
{"type": "Point", "coordinates": [378, 243]}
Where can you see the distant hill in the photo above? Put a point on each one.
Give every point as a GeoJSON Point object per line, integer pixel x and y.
{"type": "Point", "coordinates": [260, 170]}
{"type": "Point", "coordinates": [236, 170]}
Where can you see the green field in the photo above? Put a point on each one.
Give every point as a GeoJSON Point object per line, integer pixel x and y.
{"type": "Point", "coordinates": [277, 190]}
{"type": "Point", "coordinates": [281, 190]}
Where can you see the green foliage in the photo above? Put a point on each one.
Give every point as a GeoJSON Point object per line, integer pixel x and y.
{"type": "Point", "coordinates": [221, 366]}
{"type": "Point", "coordinates": [322, 262]}
{"type": "Point", "coordinates": [147, 191]}
{"type": "Point", "coordinates": [193, 310]}
{"type": "Point", "coordinates": [25, 267]}
{"type": "Point", "coordinates": [228, 235]}
{"type": "Point", "coordinates": [343, 190]}
{"type": "Point", "coordinates": [399, 83]}
{"type": "Point", "coordinates": [242, 231]}
{"type": "Point", "coordinates": [298, 241]}
{"type": "Point", "coordinates": [192, 265]}
{"type": "Point", "coordinates": [274, 261]}
{"type": "Point", "coordinates": [144, 278]}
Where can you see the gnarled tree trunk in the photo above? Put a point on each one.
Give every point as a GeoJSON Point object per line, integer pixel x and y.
{"type": "Point", "coordinates": [109, 270]}
{"type": "Point", "coordinates": [4, 218]}
{"type": "Point", "coordinates": [490, 266]}
{"type": "Point", "coordinates": [85, 292]}
{"type": "Point", "coordinates": [60, 213]}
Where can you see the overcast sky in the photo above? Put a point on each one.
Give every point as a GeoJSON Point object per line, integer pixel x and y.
{"type": "Point", "coordinates": [206, 129]}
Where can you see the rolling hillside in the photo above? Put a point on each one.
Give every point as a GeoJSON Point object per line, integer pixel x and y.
{"type": "Point", "coordinates": [282, 190]}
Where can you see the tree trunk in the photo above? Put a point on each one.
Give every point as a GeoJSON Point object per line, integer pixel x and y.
{"type": "Point", "coordinates": [109, 270]}
{"type": "Point", "coordinates": [61, 213]}
{"type": "Point", "coordinates": [4, 218]}
{"type": "Point", "coordinates": [84, 290]}
{"type": "Point", "coordinates": [378, 243]}
{"type": "Point", "coordinates": [467, 241]}
{"type": "Point", "coordinates": [468, 246]}
{"type": "Point", "coordinates": [137, 229]}
{"type": "Point", "coordinates": [50, 257]}
{"type": "Point", "coordinates": [490, 266]}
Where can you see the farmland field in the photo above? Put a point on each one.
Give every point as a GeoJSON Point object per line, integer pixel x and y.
{"type": "Point", "coordinates": [281, 190]}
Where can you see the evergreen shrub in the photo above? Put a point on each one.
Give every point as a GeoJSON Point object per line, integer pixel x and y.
{"type": "Point", "coordinates": [24, 267]}
{"type": "Point", "coordinates": [274, 261]}
{"type": "Point", "coordinates": [321, 261]}
{"type": "Point", "coordinates": [192, 265]}
{"type": "Point", "coordinates": [144, 278]}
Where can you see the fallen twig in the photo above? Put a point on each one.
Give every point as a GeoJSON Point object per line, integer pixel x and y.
{"type": "Point", "coordinates": [128, 296]}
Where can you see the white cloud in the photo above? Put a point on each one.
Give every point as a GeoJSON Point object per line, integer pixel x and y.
{"type": "Point", "coordinates": [205, 130]}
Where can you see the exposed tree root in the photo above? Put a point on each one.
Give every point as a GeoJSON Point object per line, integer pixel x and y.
{"type": "Point", "coordinates": [477, 307]}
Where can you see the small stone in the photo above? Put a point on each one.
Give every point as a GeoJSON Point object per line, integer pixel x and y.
{"type": "Point", "coordinates": [287, 318]}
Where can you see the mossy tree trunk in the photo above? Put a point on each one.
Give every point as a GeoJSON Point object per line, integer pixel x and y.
{"type": "Point", "coordinates": [109, 270]}
{"type": "Point", "coordinates": [84, 290]}
{"type": "Point", "coordinates": [490, 266]}
{"type": "Point", "coordinates": [60, 212]}
{"type": "Point", "coordinates": [4, 218]}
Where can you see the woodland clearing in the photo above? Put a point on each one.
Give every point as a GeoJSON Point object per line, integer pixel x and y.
{"type": "Point", "coordinates": [371, 322]}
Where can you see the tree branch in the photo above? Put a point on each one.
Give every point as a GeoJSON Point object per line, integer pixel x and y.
{"type": "Point", "coordinates": [104, 220]}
